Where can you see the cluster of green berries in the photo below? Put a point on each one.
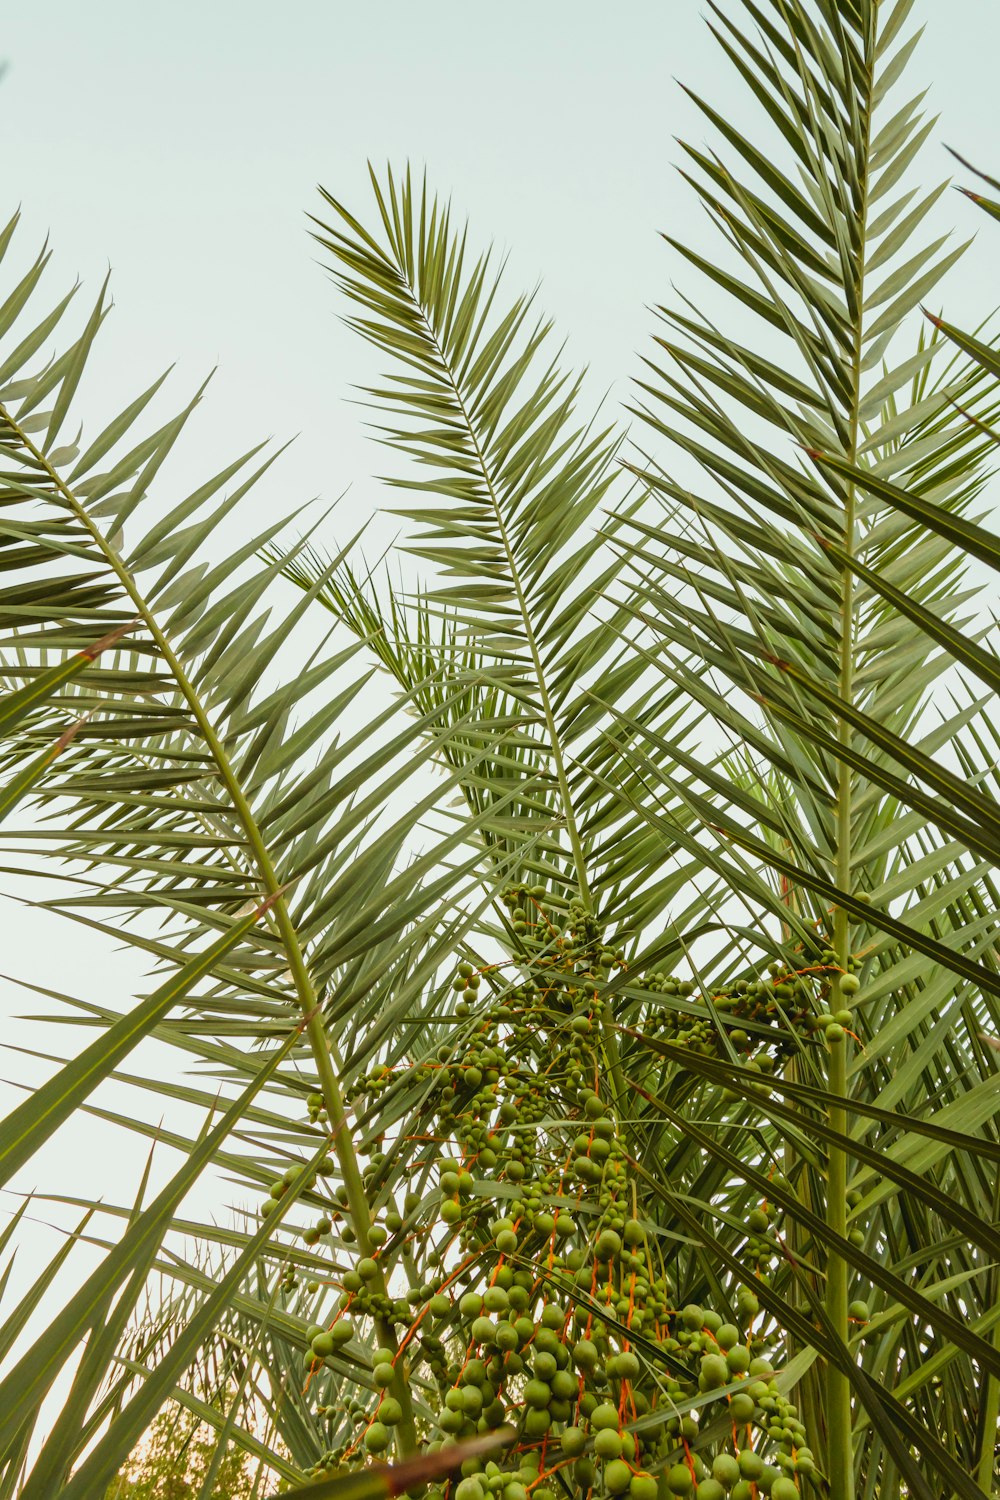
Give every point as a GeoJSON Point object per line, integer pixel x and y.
{"type": "Point", "coordinates": [835, 1024]}
{"type": "Point", "coordinates": [526, 1287]}
{"type": "Point", "coordinates": [790, 1004]}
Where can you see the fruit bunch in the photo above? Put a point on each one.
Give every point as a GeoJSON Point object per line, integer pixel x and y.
{"type": "Point", "coordinates": [782, 1008]}
{"type": "Point", "coordinates": [527, 1286]}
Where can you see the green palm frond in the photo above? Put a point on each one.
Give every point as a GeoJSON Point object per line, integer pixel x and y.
{"type": "Point", "coordinates": [288, 895]}
{"type": "Point", "coordinates": [806, 600]}
{"type": "Point", "coordinates": [510, 625]}
{"type": "Point", "coordinates": [689, 759]}
{"type": "Point", "coordinates": [820, 827]}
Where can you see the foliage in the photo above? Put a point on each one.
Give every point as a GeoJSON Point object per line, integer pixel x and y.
{"type": "Point", "coordinates": [602, 1025]}
{"type": "Point", "coordinates": [175, 1460]}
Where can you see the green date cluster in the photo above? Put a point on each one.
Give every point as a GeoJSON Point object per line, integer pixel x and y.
{"type": "Point", "coordinates": [529, 1282]}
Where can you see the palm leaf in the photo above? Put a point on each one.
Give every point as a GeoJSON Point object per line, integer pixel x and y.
{"type": "Point", "coordinates": [189, 789]}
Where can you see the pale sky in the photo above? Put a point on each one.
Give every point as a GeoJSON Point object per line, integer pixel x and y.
{"type": "Point", "coordinates": [182, 143]}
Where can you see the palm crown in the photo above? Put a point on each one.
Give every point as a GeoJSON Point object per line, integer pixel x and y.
{"type": "Point", "coordinates": [657, 1008]}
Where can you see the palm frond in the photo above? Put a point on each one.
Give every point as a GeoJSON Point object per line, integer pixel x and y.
{"type": "Point", "coordinates": [193, 789]}
{"type": "Point", "coordinates": [806, 602]}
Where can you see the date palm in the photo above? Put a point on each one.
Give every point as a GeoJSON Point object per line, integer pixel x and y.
{"type": "Point", "coordinates": [705, 703]}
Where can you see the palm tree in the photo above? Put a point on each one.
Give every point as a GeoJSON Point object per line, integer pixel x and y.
{"type": "Point", "coordinates": [644, 1038]}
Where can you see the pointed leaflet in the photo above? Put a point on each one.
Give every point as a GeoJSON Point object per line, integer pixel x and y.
{"type": "Point", "coordinates": [32, 1122]}
{"type": "Point", "coordinates": [45, 684]}
{"type": "Point", "coordinates": [34, 1372]}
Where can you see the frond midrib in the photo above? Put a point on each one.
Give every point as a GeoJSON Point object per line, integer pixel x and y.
{"type": "Point", "coordinates": [312, 1018]}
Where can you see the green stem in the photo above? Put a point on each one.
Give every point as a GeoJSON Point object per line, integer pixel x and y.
{"type": "Point", "coordinates": [840, 1446]}
{"type": "Point", "coordinates": [838, 1388]}
{"type": "Point", "coordinates": [986, 1472]}
{"type": "Point", "coordinates": [840, 1459]}
{"type": "Point", "coordinates": [315, 1031]}
{"type": "Point", "coordinates": [989, 1416]}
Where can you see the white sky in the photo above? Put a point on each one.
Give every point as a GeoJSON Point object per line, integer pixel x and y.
{"type": "Point", "coordinates": [182, 143]}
